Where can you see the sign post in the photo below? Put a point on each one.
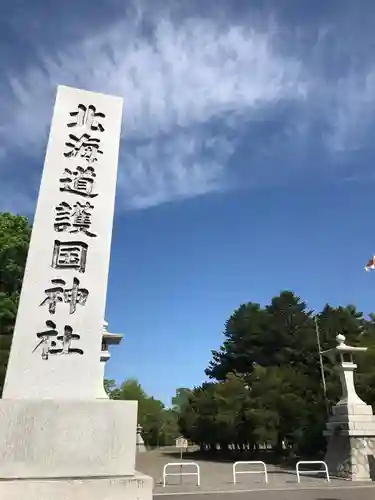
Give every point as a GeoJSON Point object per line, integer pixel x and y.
{"type": "Point", "coordinates": [183, 444]}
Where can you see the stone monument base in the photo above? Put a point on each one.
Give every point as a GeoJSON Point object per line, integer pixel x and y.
{"type": "Point", "coordinates": [137, 487]}
{"type": "Point", "coordinates": [351, 442]}
{"type": "Point", "coordinates": [69, 450]}
{"type": "Point", "coordinates": [351, 457]}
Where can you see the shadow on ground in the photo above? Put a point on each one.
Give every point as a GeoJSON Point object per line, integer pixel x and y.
{"type": "Point", "coordinates": [269, 457]}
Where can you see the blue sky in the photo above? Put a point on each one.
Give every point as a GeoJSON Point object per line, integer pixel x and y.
{"type": "Point", "coordinates": [246, 163]}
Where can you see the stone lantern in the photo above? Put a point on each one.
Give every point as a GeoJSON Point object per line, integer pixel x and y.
{"type": "Point", "coordinates": [342, 356]}
{"type": "Point", "coordinates": [107, 340]}
{"type": "Point", "coordinates": [140, 443]}
{"type": "Point", "coordinates": [350, 431]}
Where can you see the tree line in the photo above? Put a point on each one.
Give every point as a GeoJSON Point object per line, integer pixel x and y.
{"type": "Point", "coordinates": [159, 424]}
{"type": "Point", "coordinates": [264, 383]}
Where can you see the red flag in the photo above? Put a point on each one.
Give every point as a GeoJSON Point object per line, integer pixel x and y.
{"type": "Point", "coordinates": [370, 264]}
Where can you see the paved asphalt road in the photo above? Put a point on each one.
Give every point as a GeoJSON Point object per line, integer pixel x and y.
{"type": "Point", "coordinates": [329, 493]}
{"type": "Point", "coordinates": [217, 482]}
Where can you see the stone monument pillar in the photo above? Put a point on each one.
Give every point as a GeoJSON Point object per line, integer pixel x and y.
{"type": "Point", "coordinates": [58, 438]}
{"type": "Point", "coordinates": [351, 429]}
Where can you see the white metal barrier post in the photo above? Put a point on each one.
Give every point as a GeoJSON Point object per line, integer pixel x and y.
{"type": "Point", "coordinates": [256, 462]}
{"type": "Point", "coordinates": [181, 464]}
{"type": "Point", "coordinates": [317, 462]}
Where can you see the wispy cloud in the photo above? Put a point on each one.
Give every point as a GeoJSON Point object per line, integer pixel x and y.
{"type": "Point", "coordinates": [353, 110]}
{"type": "Point", "coordinates": [188, 164]}
{"type": "Point", "coordinates": [190, 84]}
{"type": "Point", "coordinates": [174, 82]}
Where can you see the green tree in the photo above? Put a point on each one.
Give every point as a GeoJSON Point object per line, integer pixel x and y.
{"type": "Point", "coordinates": [289, 339]}
{"type": "Point", "coordinates": [197, 421]}
{"type": "Point", "coordinates": [180, 399]}
{"type": "Point", "coordinates": [111, 388]}
{"type": "Point", "coordinates": [234, 424]}
{"type": "Point", "coordinates": [171, 429]}
{"type": "Point", "coordinates": [130, 390]}
{"type": "Point", "coordinates": [159, 425]}
{"type": "Point", "coordinates": [281, 333]}
{"type": "Point", "coordinates": [242, 345]}
{"type": "Point", "coordinates": [290, 400]}
{"type": "Point", "coordinates": [15, 234]}
{"type": "Point", "coordinates": [273, 350]}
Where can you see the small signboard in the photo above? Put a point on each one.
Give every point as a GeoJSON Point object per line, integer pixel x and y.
{"type": "Point", "coordinates": [181, 442]}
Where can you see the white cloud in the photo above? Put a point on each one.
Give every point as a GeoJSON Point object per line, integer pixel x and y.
{"type": "Point", "coordinates": [188, 164]}
{"type": "Point", "coordinates": [174, 82]}
{"type": "Point", "coordinates": [189, 85]}
{"type": "Point", "coordinates": [353, 106]}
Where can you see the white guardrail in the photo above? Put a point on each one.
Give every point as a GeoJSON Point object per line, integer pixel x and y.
{"type": "Point", "coordinates": [258, 462]}
{"type": "Point", "coordinates": [182, 464]}
{"type": "Point", "coordinates": [316, 471]}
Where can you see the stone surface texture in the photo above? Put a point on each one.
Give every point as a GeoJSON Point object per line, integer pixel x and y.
{"type": "Point", "coordinates": [351, 457]}
{"type": "Point", "coordinates": [137, 487]}
{"type": "Point", "coordinates": [55, 439]}
{"type": "Point", "coordinates": [351, 442]}
{"type": "Point", "coordinates": [73, 376]}
{"type": "Point", "coordinates": [58, 438]}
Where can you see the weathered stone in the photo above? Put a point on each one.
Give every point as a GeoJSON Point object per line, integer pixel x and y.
{"type": "Point", "coordinates": [348, 457]}
{"type": "Point", "coordinates": [137, 487]}
{"type": "Point", "coordinates": [49, 439]}
{"type": "Point", "coordinates": [58, 437]}
{"type": "Point", "coordinates": [65, 284]}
